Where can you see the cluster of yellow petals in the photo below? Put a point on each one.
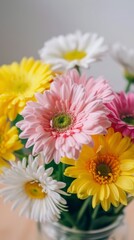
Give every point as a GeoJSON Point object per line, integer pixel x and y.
{"type": "Point", "coordinates": [105, 172]}
{"type": "Point", "coordinates": [9, 142]}
{"type": "Point", "coordinates": [19, 82]}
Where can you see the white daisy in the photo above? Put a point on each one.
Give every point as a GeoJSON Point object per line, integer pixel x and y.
{"type": "Point", "coordinates": [125, 57]}
{"type": "Point", "coordinates": [31, 186]}
{"type": "Point", "coordinates": [65, 52]}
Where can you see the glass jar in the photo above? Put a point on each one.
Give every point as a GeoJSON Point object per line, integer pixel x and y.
{"type": "Point", "coordinates": [56, 231]}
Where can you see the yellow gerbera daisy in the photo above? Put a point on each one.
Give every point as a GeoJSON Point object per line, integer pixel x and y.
{"type": "Point", "coordinates": [19, 82]}
{"type": "Point", "coordinates": [105, 171]}
{"type": "Point", "coordinates": [9, 142]}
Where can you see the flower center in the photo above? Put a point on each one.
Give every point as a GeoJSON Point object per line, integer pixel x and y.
{"type": "Point", "coordinates": [34, 190]}
{"type": "Point", "coordinates": [19, 84]}
{"type": "Point", "coordinates": [129, 76]}
{"type": "Point", "coordinates": [105, 168]}
{"type": "Point", "coordinates": [61, 121]}
{"type": "Point", "coordinates": [74, 55]}
{"type": "Point", "coordinates": [128, 119]}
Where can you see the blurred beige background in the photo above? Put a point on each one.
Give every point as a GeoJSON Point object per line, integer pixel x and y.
{"type": "Point", "coordinates": [26, 24]}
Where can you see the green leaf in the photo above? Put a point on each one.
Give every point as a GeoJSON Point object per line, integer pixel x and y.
{"type": "Point", "coordinates": [102, 222]}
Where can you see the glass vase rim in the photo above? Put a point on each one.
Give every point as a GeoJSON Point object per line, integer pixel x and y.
{"type": "Point", "coordinates": [99, 230]}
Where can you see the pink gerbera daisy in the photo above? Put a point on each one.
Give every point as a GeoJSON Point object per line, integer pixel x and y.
{"type": "Point", "coordinates": [122, 113]}
{"type": "Point", "coordinates": [62, 120]}
{"type": "Point", "coordinates": [98, 88]}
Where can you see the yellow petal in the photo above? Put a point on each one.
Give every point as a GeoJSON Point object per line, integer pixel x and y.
{"type": "Point", "coordinates": [68, 161]}
{"type": "Point", "coordinates": [122, 196]}
{"type": "Point", "coordinates": [127, 165]}
{"type": "Point", "coordinates": [125, 182]}
{"type": "Point", "coordinates": [102, 192]}
{"type": "Point", "coordinates": [95, 200]}
{"type": "Point", "coordinates": [123, 145]}
{"type": "Point", "coordinates": [105, 204]}
{"type": "Point", "coordinates": [114, 141]}
{"type": "Point", "coordinates": [114, 191]}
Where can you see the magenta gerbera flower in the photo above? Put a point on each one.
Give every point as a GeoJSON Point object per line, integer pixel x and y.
{"type": "Point", "coordinates": [62, 120]}
{"type": "Point", "coordinates": [122, 113]}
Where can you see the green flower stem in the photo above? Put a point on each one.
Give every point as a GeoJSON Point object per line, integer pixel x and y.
{"type": "Point", "coordinates": [78, 69]}
{"type": "Point", "coordinates": [117, 210]}
{"type": "Point", "coordinates": [63, 168]}
{"type": "Point", "coordinates": [95, 212]}
{"type": "Point", "coordinates": [129, 199]}
{"type": "Point", "coordinates": [94, 216]}
{"type": "Point", "coordinates": [19, 155]}
{"type": "Point", "coordinates": [69, 219]}
{"type": "Point", "coordinates": [60, 172]}
{"type": "Point", "coordinates": [128, 87]}
{"type": "Point", "coordinates": [121, 206]}
{"type": "Point", "coordinates": [83, 209]}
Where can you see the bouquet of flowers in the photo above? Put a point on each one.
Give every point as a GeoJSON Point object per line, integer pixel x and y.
{"type": "Point", "coordinates": [67, 139]}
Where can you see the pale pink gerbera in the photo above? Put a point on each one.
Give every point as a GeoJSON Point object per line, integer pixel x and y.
{"type": "Point", "coordinates": [62, 120]}
{"type": "Point", "coordinates": [122, 113]}
{"type": "Point", "coordinates": [98, 88]}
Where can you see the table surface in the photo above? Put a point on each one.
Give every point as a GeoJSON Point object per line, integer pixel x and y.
{"type": "Point", "coordinates": [14, 227]}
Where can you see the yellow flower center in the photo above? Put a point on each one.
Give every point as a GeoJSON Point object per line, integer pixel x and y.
{"type": "Point", "coordinates": [105, 168]}
{"type": "Point", "coordinates": [129, 76]}
{"type": "Point", "coordinates": [34, 190]}
{"type": "Point", "coordinates": [74, 55]}
{"type": "Point", "coordinates": [19, 84]}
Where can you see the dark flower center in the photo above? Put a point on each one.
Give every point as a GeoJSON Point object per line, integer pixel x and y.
{"type": "Point", "coordinates": [103, 169]}
{"type": "Point", "coordinates": [129, 120]}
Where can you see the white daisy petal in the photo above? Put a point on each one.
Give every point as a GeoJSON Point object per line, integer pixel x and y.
{"type": "Point", "coordinates": [33, 189]}
{"type": "Point", "coordinates": [125, 57]}
{"type": "Point", "coordinates": [65, 52]}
